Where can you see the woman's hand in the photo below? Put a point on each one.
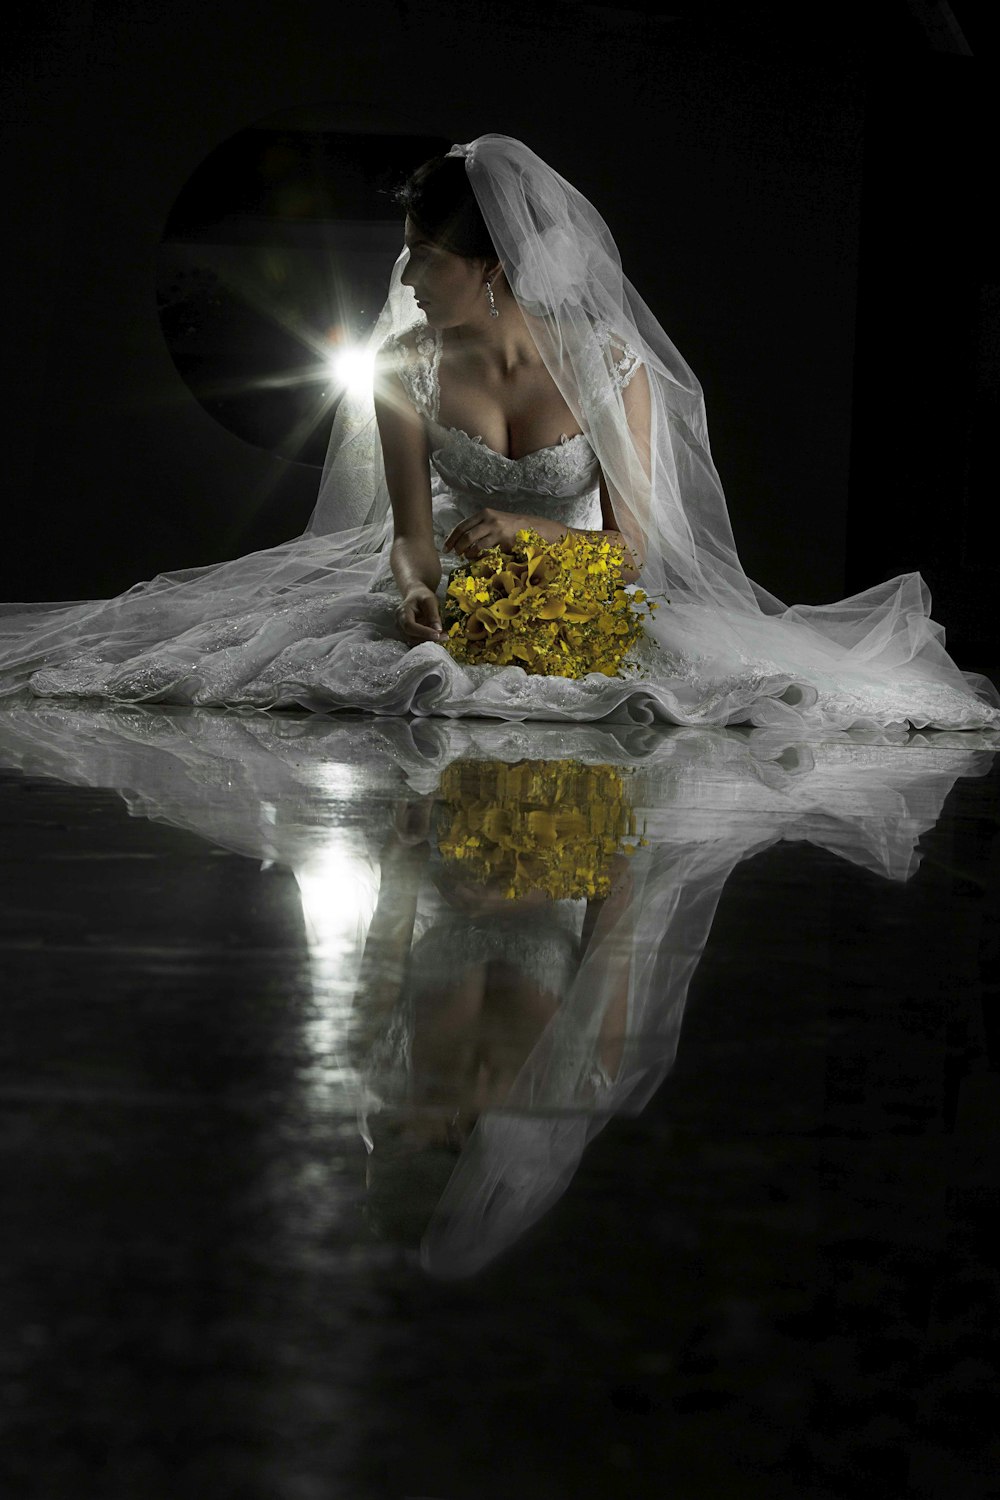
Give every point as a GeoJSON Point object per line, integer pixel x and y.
{"type": "Point", "coordinates": [489, 528]}
{"type": "Point", "coordinates": [419, 615]}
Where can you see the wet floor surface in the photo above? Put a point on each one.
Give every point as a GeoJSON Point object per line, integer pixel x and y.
{"type": "Point", "coordinates": [434, 1111]}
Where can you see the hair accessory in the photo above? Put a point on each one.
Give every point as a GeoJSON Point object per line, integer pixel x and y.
{"type": "Point", "coordinates": [552, 269]}
{"type": "Point", "coordinates": [469, 152]}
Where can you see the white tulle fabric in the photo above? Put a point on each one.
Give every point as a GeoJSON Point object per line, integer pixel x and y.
{"type": "Point", "coordinates": [311, 623]}
{"type": "Point", "coordinates": [707, 799]}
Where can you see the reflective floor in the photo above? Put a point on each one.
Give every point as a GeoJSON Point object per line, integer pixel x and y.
{"type": "Point", "coordinates": [417, 1110]}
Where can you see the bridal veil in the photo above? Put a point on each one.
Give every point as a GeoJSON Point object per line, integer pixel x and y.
{"type": "Point", "coordinates": [650, 436]}
{"type": "Point", "coordinates": [871, 657]}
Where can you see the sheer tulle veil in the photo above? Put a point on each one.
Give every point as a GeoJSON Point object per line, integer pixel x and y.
{"type": "Point", "coordinates": [862, 660]}
{"type": "Point", "coordinates": [651, 438]}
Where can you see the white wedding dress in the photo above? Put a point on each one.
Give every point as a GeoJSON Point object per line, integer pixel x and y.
{"type": "Point", "coordinates": [328, 639]}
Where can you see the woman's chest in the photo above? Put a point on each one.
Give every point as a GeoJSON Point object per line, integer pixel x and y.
{"type": "Point", "coordinates": [514, 415]}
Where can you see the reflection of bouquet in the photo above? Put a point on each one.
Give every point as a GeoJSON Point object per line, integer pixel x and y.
{"type": "Point", "coordinates": [542, 825]}
{"type": "Point", "coordinates": [555, 608]}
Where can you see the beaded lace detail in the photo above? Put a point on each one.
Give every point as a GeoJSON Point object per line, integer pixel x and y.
{"type": "Point", "coordinates": [544, 949]}
{"type": "Point", "coordinates": [420, 373]}
{"type": "Point", "coordinates": [419, 369]}
{"type": "Point", "coordinates": [346, 652]}
{"type": "Point", "coordinates": [324, 648]}
{"type": "Point", "coordinates": [558, 482]}
{"type": "Point", "coordinates": [565, 470]}
{"type": "Point", "coordinates": [622, 359]}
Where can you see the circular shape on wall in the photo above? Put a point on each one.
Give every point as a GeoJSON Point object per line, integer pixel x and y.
{"type": "Point", "coordinates": [272, 270]}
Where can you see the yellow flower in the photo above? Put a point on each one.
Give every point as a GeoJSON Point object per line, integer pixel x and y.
{"type": "Point", "coordinates": [498, 824]}
{"type": "Point", "coordinates": [480, 625]}
{"type": "Point", "coordinates": [580, 610]}
{"type": "Point", "coordinates": [542, 827]}
{"type": "Point", "coordinates": [557, 607]}
{"type": "Point", "coordinates": [542, 568]}
{"type": "Point", "coordinates": [507, 609]}
{"type": "Point", "coordinates": [553, 826]}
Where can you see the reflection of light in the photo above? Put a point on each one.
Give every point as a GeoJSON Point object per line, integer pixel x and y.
{"type": "Point", "coordinates": [336, 780]}
{"type": "Point", "coordinates": [339, 888]}
{"type": "Point", "coordinates": [354, 368]}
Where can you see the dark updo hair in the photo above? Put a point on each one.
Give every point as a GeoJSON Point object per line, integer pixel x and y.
{"type": "Point", "coordinates": [439, 199]}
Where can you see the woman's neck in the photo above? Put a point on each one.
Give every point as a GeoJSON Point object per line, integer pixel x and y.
{"type": "Point", "coordinates": [504, 342]}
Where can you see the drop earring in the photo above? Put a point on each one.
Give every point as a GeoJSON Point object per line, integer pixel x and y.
{"type": "Point", "coordinates": [494, 310]}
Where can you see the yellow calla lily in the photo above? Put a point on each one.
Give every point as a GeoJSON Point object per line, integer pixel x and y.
{"type": "Point", "coordinates": [550, 607]}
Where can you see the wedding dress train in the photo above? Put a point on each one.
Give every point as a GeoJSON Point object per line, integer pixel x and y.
{"type": "Point", "coordinates": [301, 626]}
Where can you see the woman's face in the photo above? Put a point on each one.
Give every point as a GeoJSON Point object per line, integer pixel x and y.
{"type": "Point", "coordinates": [448, 287]}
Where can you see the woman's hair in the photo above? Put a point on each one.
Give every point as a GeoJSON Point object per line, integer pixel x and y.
{"type": "Point", "coordinates": [439, 199]}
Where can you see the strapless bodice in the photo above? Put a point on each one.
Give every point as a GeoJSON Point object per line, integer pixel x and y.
{"type": "Point", "coordinates": [542, 943]}
{"type": "Point", "coordinates": [564, 471]}
{"type": "Point", "coordinates": [559, 482]}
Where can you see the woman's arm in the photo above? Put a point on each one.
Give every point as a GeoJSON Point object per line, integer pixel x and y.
{"type": "Point", "coordinates": [414, 558]}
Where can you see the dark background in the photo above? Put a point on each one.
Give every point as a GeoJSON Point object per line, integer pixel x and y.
{"type": "Point", "coordinates": [799, 195]}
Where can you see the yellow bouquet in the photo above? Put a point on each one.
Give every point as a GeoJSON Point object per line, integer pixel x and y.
{"type": "Point", "coordinates": [541, 825]}
{"type": "Point", "coordinates": [559, 609]}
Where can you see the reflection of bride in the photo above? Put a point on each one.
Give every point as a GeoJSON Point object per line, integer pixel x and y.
{"type": "Point", "coordinates": [529, 383]}
{"type": "Point", "coordinates": [476, 1112]}
{"type": "Point", "coordinates": [608, 1018]}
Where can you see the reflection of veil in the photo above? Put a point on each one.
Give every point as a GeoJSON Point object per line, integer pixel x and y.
{"type": "Point", "coordinates": [719, 798]}
{"type": "Point", "coordinates": [707, 798]}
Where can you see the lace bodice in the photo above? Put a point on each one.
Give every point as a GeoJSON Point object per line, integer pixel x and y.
{"type": "Point", "coordinates": [551, 481]}
{"type": "Point", "coordinates": [542, 945]}
{"type": "Point", "coordinates": [559, 482]}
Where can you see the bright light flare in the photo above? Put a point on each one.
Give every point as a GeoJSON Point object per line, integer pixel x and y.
{"type": "Point", "coordinates": [339, 888]}
{"type": "Point", "coordinates": [353, 368]}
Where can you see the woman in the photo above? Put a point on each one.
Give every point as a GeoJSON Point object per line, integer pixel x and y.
{"type": "Point", "coordinates": [476, 359]}
{"type": "Point", "coordinates": [520, 379]}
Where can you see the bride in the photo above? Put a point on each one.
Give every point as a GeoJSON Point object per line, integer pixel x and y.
{"type": "Point", "coordinates": [519, 380]}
